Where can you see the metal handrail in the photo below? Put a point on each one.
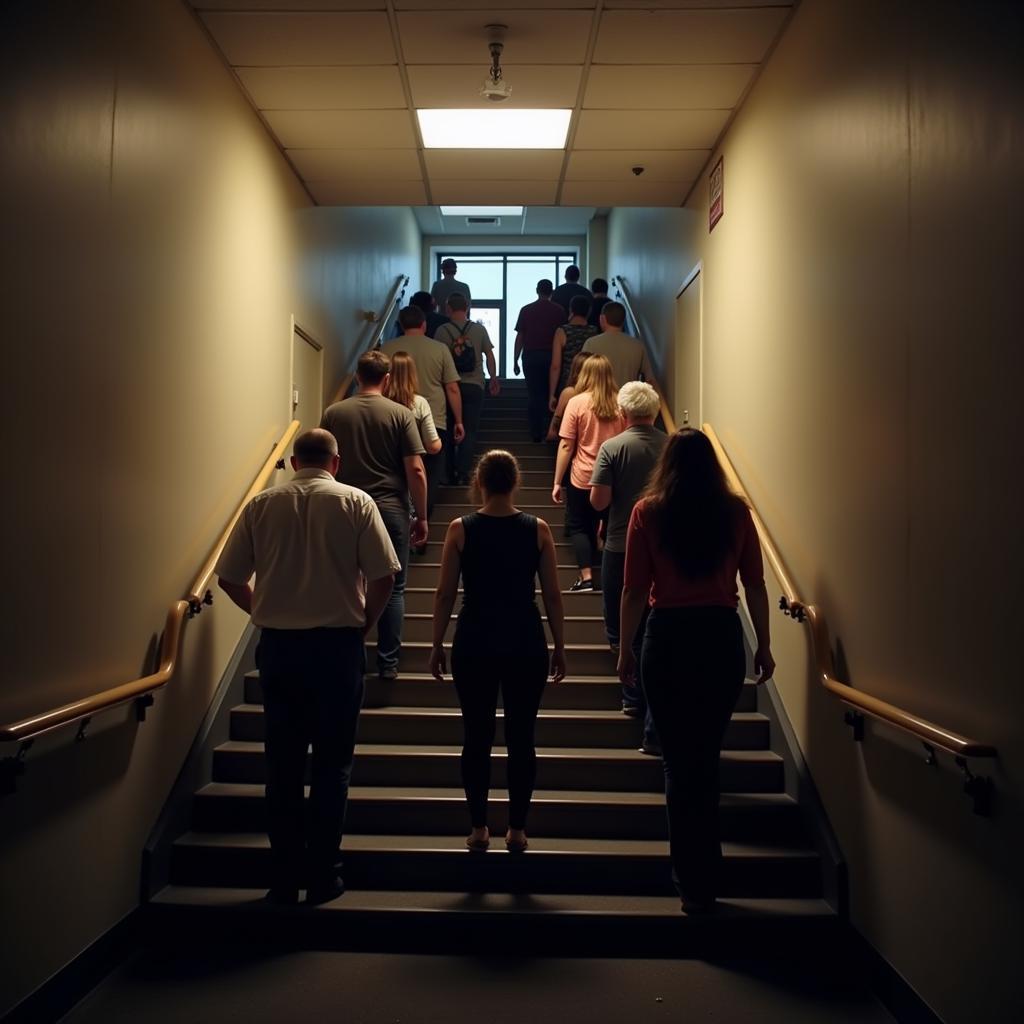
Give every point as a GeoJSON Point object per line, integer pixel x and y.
{"type": "Point", "coordinates": [378, 324]}
{"type": "Point", "coordinates": [930, 734]}
{"type": "Point", "coordinates": [27, 729]}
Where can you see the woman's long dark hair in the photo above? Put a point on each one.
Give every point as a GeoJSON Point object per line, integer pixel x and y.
{"type": "Point", "coordinates": [694, 511]}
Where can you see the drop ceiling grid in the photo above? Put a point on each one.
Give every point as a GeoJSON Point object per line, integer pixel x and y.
{"type": "Point", "coordinates": [327, 77]}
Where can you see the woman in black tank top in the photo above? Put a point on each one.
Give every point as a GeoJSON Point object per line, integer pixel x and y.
{"type": "Point", "coordinates": [499, 638]}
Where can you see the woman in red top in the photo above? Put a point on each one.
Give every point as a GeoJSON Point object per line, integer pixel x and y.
{"type": "Point", "coordinates": [688, 537]}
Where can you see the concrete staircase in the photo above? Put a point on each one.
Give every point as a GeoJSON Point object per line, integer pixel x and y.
{"type": "Point", "coordinates": [596, 874]}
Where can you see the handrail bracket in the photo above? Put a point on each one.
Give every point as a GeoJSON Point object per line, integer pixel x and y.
{"type": "Point", "coordinates": [12, 768]}
{"type": "Point", "coordinates": [978, 787]}
{"type": "Point", "coordinates": [855, 720]}
{"type": "Point", "coordinates": [142, 704]}
{"type": "Point", "coordinates": [195, 604]}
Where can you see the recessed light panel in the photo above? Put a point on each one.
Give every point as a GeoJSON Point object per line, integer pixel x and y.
{"type": "Point", "coordinates": [482, 211]}
{"type": "Point", "coordinates": [494, 129]}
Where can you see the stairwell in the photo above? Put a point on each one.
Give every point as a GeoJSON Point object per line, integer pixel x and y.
{"type": "Point", "coordinates": [596, 876]}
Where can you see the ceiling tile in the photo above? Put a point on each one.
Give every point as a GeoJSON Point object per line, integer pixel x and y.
{"type": "Point", "coordinates": [687, 37]}
{"type": "Point", "coordinates": [507, 5]}
{"type": "Point", "coordinates": [632, 5]}
{"type": "Point", "coordinates": [649, 129]}
{"type": "Point", "coordinates": [356, 164]}
{"type": "Point", "coordinates": [617, 165]}
{"type": "Point", "coordinates": [508, 165]}
{"type": "Point", "coordinates": [302, 39]}
{"type": "Point", "coordinates": [348, 88]}
{"type": "Point", "coordinates": [666, 87]}
{"type": "Point", "coordinates": [624, 193]}
{"type": "Point", "coordinates": [458, 37]}
{"type": "Point", "coordinates": [289, 5]}
{"type": "Point", "coordinates": [447, 85]}
{"type": "Point", "coordinates": [324, 129]}
{"type": "Point", "coordinates": [494, 191]}
{"type": "Point", "coordinates": [369, 193]}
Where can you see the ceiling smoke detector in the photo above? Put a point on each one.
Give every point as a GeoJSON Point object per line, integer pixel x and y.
{"type": "Point", "coordinates": [495, 88]}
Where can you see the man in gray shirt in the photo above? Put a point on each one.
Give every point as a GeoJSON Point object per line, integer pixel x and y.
{"type": "Point", "coordinates": [443, 288]}
{"type": "Point", "coordinates": [382, 454]}
{"type": "Point", "coordinates": [470, 341]}
{"type": "Point", "coordinates": [627, 355]}
{"type": "Point", "coordinates": [624, 465]}
{"type": "Point", "coordinates": [323, 566]}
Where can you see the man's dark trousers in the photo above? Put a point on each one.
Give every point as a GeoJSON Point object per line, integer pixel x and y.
{"type": "Point", "coordinates": [312, 682]}
{"type": "Point", "coordinates": [536, 368]}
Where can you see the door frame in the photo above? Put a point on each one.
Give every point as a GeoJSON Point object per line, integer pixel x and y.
{"type": "Point", "coordinates": [298, 329]}
{"type": "Point", "coordinates": [695, 276]}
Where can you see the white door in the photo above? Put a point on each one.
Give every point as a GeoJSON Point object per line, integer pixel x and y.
{"type": "Point", "coordinates": [687, 363]}
{"type": "Point", "coordinates": [307, 391]}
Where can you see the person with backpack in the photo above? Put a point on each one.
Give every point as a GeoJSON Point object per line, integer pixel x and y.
{"type": "Point", "coordinates": [470, 345]}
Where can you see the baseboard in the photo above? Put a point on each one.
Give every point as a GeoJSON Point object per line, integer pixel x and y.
{"type": "Point", "coordinates": [893, 991]}
{"type": "Point", "coordinates": [73, 982]}
{"type": "Point", "coordinates": [196, 769]}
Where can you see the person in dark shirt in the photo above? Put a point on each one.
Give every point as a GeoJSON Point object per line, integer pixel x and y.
{"type": "Point", "coordinates": [599, 287]}
{"type": "Point", "coordinates": [425, 301]}
{"type": "Point", "coordinates": [535, 335]}
{"type": "Point", "coordinates": [565, 293]}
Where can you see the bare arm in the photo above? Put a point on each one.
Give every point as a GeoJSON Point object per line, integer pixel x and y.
{"type": "Point", "coordinates": [552, 596]}
{"type": "Point", "coordinates": [631, 611]}
{"type": "Point", "coordinates": [517, 351]}
{"type": "Point", "coordinates": [416, 479]}
{"type": "Point", "coordinates": [600, 496]}
{"type": "Point", "coordinates": [557, 346]}
{"type": "Point", "coordinates": [445, 594]}
{"type": "Point", "coordinates": [455, 401]}
{"type": "Point", "coordinates": [240, 594]}
{"type": "Point", "coordinates": [757, 605]}
{"type": "Point", "coordinates": [566, 450]}
{"type": "Point", "coordinates": [492, 373]}
{"type": "Point", "coordinates": [377, 594]}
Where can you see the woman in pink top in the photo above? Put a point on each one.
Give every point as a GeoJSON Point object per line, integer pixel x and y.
{"type": "Point", "coordinates": [688, 537]}
{"type": "Point", "coordinates": [591, 417]}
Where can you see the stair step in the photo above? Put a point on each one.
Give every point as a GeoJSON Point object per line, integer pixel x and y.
{"type": "Point", "coordinates": [533, 496]}
{"type": "Point", "coordinates": [551, 513]}
{"type": "Point", "coordinates": [420, 689]}
{"type": "Point", "coordinates": [757, 817]}
{"type": "Point", "coordinates": [420, 600]}
{"type": "Point", "coordinates": [581, 659]}
{"type": "Point", "coordinates": [454, 921]}
{"type": "Point", "coordinates": [426, 763]}
{"type": "Point", "coordinates": [579, 629]}
{"type": "Point", "coordinates": [425, 574]}
{"type": "Point", "coordinates": [521, 449]}
{"type": "Point", "coordinates": [610, 730]}
{"type": "Point", "coordinates": [606, 867]}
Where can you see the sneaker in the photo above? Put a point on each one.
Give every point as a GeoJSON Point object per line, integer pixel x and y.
{"type": "Point", "coordinates": [649, 749]}
{"type": "Point", "coordinates": [581, 584]}
{"type": "Point", "coordinates": [389, 672]}
{"type": "Point", "coordinates": [282, 896]}
{"type": "Point", "coordinates": [631, 710]}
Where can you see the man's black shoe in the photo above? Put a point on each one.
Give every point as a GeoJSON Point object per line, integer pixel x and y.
{"type": "Point", "coordinates": [581, 584]}
{"type": "Point", "coordinates": [631, 710]}
{"type": "Point", "coordinates": [282, 896]}
{"type": "Point", "coordinates": [325, 891]}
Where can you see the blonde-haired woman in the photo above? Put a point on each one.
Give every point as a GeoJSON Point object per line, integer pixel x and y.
{"type": "Point", "coordinates": [499, 638]}
{"type": "Point", "coordinates": [591, 418]}
{"type": "Point", "coordinates": [403, 387]}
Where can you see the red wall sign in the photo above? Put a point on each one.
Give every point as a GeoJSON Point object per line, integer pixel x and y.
{"type": "Point", "coordinates": [715, 195]}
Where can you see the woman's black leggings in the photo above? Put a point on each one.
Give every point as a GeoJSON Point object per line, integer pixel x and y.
{"type": "Point", "coordinates": [581, 519]}
{"type": "Point", "coordinates": [521, 681]}
{"type": "Point", "coordinates": [693, 665]}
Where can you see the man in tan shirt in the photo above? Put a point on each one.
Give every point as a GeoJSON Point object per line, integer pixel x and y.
{"type": "Point", "coordinates": [627, 355]}
{"type": "Point", "coordinates": [324, 570]}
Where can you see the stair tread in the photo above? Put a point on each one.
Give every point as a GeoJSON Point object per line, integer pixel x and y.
{"type": "Point", "coordinates": [501, 903]}
{"type": "Point", "coordinates": [426, 677]}
{"type": "Point", "coordinates": [456, 844]}
{"type": "Point", "coordinates": [255, 791]}
{"type": "Point", "coordinates": [600, 714]}
{"type": "Point", "coordinates": [623, 754]}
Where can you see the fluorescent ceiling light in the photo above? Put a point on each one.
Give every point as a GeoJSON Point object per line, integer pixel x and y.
{"type": "Point", "coordinates": [494, 129]}
{"type": "Point", "coordinates": [482, 211]}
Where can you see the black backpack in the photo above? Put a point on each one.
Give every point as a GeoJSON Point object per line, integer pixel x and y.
{"type": "Point", "coordinates": [463, 352]}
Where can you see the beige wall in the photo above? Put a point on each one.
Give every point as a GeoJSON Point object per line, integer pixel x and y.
{"type": "Point", "coordinates": [156, 246]}
{"type": "Point", "coordinates": [863, 367]}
